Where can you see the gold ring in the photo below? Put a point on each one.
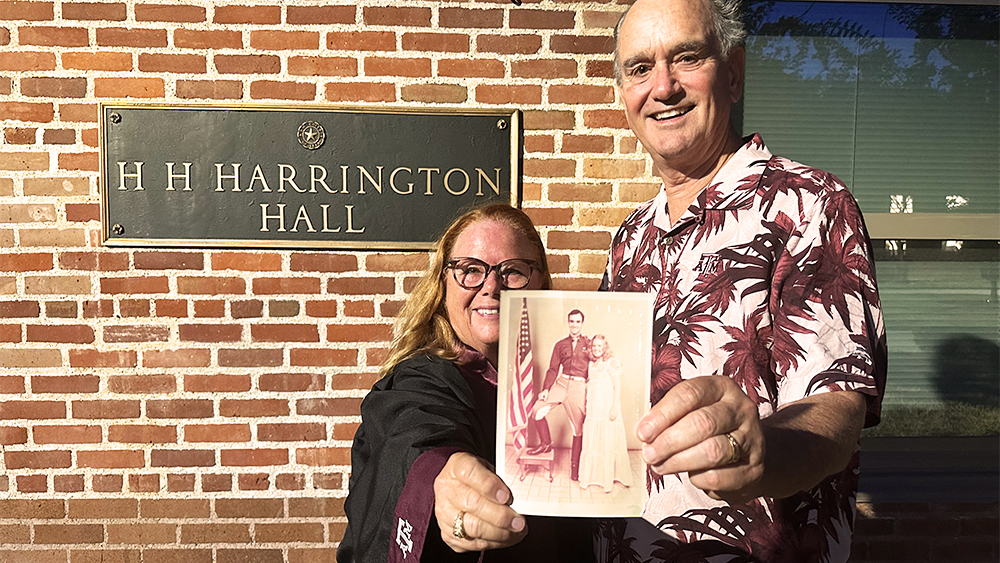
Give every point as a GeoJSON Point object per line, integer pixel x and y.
{"type": "Point", "coordinates": [459, 529]}
{"type": "Point", "coordinates": [737, 453]}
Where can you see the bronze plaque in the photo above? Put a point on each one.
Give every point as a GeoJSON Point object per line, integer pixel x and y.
{"type": "Point", "coordinates": [299, 177]}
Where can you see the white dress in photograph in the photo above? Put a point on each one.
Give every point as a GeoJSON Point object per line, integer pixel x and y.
{"type": "Point", "coordinates": [605, 454]}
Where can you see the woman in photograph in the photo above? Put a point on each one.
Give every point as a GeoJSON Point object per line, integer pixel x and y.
{"type": "Point", "coordinates": [422, 484]}
{"type": "Point", "coordinates": [605, 452]}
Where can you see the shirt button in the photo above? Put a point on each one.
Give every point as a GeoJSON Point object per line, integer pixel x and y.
{"type": "Point", "coordinates": [670, 240]}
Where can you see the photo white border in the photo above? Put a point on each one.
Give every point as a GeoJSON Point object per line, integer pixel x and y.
{"type": "Point", "coordinates": [626, 319]}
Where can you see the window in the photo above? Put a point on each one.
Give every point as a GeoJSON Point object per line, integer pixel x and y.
{"type": "Point", "coordinates": [902, 102]}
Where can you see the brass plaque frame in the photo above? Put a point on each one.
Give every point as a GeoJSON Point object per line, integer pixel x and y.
{"type": "Point", "coordinates": [309, 177]}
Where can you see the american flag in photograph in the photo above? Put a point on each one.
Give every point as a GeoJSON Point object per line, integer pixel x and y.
{"type": "Point", "coordinates": [522, 388]}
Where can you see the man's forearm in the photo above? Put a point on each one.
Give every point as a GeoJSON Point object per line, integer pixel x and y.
{"type": "Point", "coordinates": [809, 440]}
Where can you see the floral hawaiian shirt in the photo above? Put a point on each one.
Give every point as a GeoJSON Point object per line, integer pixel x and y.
{"type": "Point", "coordinates": [768, 279]}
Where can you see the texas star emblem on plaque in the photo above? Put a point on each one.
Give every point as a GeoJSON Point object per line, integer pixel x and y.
{"type": "Point", "coordinates": [311, 135]}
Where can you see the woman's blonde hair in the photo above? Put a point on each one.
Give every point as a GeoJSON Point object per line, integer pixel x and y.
{"type": "Point", "coordinates": [423, 326]}
{"type": "Point", "coordinates": [608, 354]}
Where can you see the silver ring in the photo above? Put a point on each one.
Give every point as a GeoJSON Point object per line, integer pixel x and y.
{"type": "Point", "coordinates": [459, 528]}
{"type": "Point", "coordinates": [737, 453]}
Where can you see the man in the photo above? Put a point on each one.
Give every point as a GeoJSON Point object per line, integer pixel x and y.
{"type": "Point", "coordinates": [565, 384]}
{"type": "Point", "coordinates": [769, 346]}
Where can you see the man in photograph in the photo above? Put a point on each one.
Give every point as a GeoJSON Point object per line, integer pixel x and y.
{"type": "Point", "coordinates": [769, 352]}
{"type": "Point", "coordinates": [565, 385]}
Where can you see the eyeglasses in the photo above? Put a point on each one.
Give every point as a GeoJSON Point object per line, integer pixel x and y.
{"type": "Point", "coordinates": [471, 273]}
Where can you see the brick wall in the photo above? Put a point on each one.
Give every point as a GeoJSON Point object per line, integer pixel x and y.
{"type": "Point", "coordinates": [199, 405]}
{"type": "Point", "coordinates": [205, 400]}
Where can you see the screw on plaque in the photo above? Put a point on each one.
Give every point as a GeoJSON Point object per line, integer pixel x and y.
{"type": "Point", "coordinates": [115, 117]}
{"type": "Point", "coordinates": [118, 229]}
{"type": "Point", "coordinates": [501, 124]}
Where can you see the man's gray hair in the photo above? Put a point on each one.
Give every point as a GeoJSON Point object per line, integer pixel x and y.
{"type": "Point", "coordinates": [727, 17]}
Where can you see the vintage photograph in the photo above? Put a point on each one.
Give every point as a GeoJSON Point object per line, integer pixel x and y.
{"type": "Point", "coordinates": [573, 381]}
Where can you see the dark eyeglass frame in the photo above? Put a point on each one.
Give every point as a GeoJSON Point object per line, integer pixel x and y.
{"type": "Point", "coordinates": [452, 265]}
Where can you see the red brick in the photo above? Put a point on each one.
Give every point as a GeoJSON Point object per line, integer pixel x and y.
{"type": "Point", "coordinates": [545, 68]}
{"type": "Point", "coordinates": [217, 433]}
{"type": "Point", "coordinates": [208, 308]}
{"type": "Point", "coordinates": [581, 94]}
{"type": "Point", "coordinates": [364, 92]}
{"type": "Point", "coordinates": [315, 15]}
{"type": "Point", "coordinates": [253, 408]}
{"type": "Point", "coordinates": [322, 66]}
{"type": "Point", "coordinates": [79, 161]}
{"type": "Point", "coordinates": [75, 334]}
{"type": "Point", "coordinates": [32, 509]}
{"type": "Point", "coordinates": [210, 89]}
{"type": "Point", "coordinates": [14, 309]}
{"type": "Point", "coordinates": [361, 286]}
{"type": "Point", "coordinates": [171, 308]}
{"type": "Point", "coordinates": [83, 212]}
{"type": "Point", "coordinates": [291, 382]}
{"type": "Point", "coordinates": [35, 410]}
{"type": "Point", "coordinates": [285, 286]}
{"type": "Point", "coordinates": [249, 508]}
{"type": "Point", "coordinates": [67, 483]}
{"type": "Point", "coordinates": [101, 60]}
{"type": "Point", "coordinates": [134, 533]}
{"type": "Point", "coordinates": [600, 69]}
{"type": "Point", "coordinates": [588, 143]}
{"type": "Point", "coordinates": [41, 112]}
{"type": "Point", "coordinates": [154, 508]}
{"type": "Point", "coordinates": [328, 481]}
{"type": "Point", "coordinates": [142, 384]}
{"type": "Point", "coordinates": [345, 431]}
{"type": "Point", "coordinates": [10, 435]}
{"type": "Point", "coordinates": [181, 64]}
{"type": "Point", "coordinates": [96, 359]}
{"type": "Point", "coordinates": [397, 16]}
{"type": "Point", "coordinates": [416, 68]}
{"type": "Point", "coordinates": [106, 409]}
{"type": "Point", "coordinates": [52, 87]}
{"type": "Point", "coordinates": [253, 457]}
{"type": "Point", "coordinates": [291, 432]}
{"type": "Point", "coordinates": [275, 90]}
{"type": "Point", "coordinates": [170, 13]}
{"type": "Point", "coordinates": [94, 261]}
{"type": "Point", "coordinates": [31, 11]}
{"type": "Point", "coordinates": [210, 333]}
{"type": "Point", "coordinates": [26, 262]}
{"type": "Point", "coordinates": [182, 458]}
{"type": "Point", "coordinates": [12, 384]}
{"type": "Point", "coordinates": [68, 533]}
{"type": "Point", "coordinates": [111, 459]}
{"type": "Point", "coordinates": [582, 44]}
{"type": "Point", "coordinates": [315, 507]}
{"type": "Point", "coordinates": [599, 118]}
{"type": "Point", "coordinates": [542, 19]}
{"type": "Point", "coordinates": [215, 533]}
{"type": "Point", "coordinates": [67, 434]}
{"type": "Point", "coordinates": [59, 137]}
{"type": "Point", "coordinates": [468, 17]}
{"type": "Point", "coordinates": [321, 262]}
{"type": "Point", "coordinates": [289, 532]}
{"type": "Point", "coordinates": [219, 383]}
{"type": "Point", "coordinates": [434, 93]}
{"type": "Point", "coordinates": [111, 11]}
{"type": "Point", "coordinates": [136, 333]}
{"type": "Point", "coordinates": [210, 286]}
{"type": "Point", "coordinates": [323, 309]}
{"type": "Point", "coordinates": [284, 333]}
{"type": "Point", "coordinates": [250, 358]}
{"type": "Point", "coordinates": [290, 482]}
{"type": "Point", "coordinates": [125, 37]}
{"type": "Point", "coordinates": [471, 68]}
{"type": "Point", "coordinates": [5, 40]}
{"type": "Point", "coordinates": [509, 44]}
{"type": "Point", "coordinates": [107, 483]}
{"type": "Point", "coordinates": [49, 36]}
{"type": "Point", "coordinates": [10, 333]}
{"type": "Point", "coordinates": [359, 309]}
{"type": "Point", "coordinates": [20, 136]}
{"type": "Point", "coordinates": [248, 14]}
{"type": "Point", "coordinates": [275, 40]}
{"type": "Point", "coordinates": [128, 87]}
{"type": "Point", "coordinates": [215, 483]}
{"type": "Point", "coordinates": [361, 41]}
{"type": "Point", "coordinates": [37, 460]}
{"type": "Point", "coordinates": [180, 483]}
{"type": "Point", "coordinates": [578, 240]}
{"type": "Point", "coordinates": [313, 357]}
{"type": "Point", "coordinates": [323, 456]}
{"type": "Point", "coordinates": [96, 309]}
{"type": "Point", "coordinates": [437, 42]}
{"type": "Point", "coordinates": [179, 408]}
{"type": "Point", "coordinates": [142, 434]}
{"type": "Point", "coordinates": [337, 406]}
{"type": "Point", "coordinates": [358, 333]}
{"type": "Point", "coordinates": [78, 112]}
{"type": "Point", "coordinates": [208, 39]}
{"type": "Point", "coordinates": [254, 482]}
{"type": "Point", "coordinates": [519, 94]}
{"type": "Point", "coordinates": [32, 483]}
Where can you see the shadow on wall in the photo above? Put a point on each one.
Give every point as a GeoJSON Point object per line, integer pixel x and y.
{"type": "Point", "coordinates": [967, 370]}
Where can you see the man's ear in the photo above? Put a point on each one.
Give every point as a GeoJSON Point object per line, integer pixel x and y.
{"type": "Point", "coordinates": [737, 69]}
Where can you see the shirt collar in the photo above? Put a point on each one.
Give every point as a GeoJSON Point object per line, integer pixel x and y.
{"type": "Point", "coordinates": [472, 363]}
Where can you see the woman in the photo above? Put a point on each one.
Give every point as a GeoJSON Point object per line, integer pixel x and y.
{"type": "Point", "coordinates": [422, 485]}
{"type": "Point", "coordinates": [605, 453]}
